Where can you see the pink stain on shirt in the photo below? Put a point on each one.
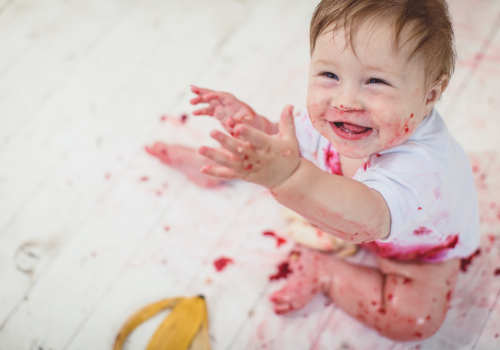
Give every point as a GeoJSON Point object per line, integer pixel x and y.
{"type": "Point", "coordinates": [422, 252]}
{"type": "Point", "coordinates": [332, 160]}
{"type": "Point", "coordinates": [422, 231]}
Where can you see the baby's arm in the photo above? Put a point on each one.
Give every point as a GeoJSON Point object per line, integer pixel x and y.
{"type": "Point", "coordinates": [230, 111]}
{"type": "Point", "coordinates": [338, 205]}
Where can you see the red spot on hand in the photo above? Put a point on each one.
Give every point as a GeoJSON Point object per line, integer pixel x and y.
{"type": "Point", "coordinates": [389, 297]}
{"type": "Point", "coordinates": [428, 317]}
{"type": "Point", "coordinates": [279, 240]}
{"type": "Point", "coordinates": [184, 118]}
{"type": "Point", "coordinates": [411, 116]}
{"type": "Point", "coordinates": [497, 272]}
{"type": "Point", "coordinates": [246, 157]}
{"type": "Point", "coordinates": [464, 263]}
{"type": "Point", "coordinates": [418, 334]}
{"type": "Point", "coordinates": [407, 129]}
{"type": "Point", "coordinates": [283, 271]}
{"type": "Point", "coordinates": [221, 263]}
{"type": "Point", "coordinates": [382, 311]}
{"type": "Point", "coordinates": [249, 167]}
{"type": "Point", "coordinates": [448, 295]}
{"type": "Point", "coordinates": [406, 281]}
{"type": "Point", "coordinates": [379, 155]}
{"type": "Point", "coordinates": [374, 303]}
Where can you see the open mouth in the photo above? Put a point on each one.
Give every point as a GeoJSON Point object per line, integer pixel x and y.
{"type": "Point", "coordinates": [350, 131]}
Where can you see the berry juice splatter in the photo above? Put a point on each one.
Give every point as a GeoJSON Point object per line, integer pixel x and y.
{"type": "Point", "coordinates": [283, 271]}
{"type": "Point", "coordinates": [279, 240]}
{"type": "Point", "coordinates": [464, 263]}
{"type": "Point", "coordinates": [221, 263]}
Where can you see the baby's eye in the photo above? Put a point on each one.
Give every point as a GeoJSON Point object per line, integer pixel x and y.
{"type": "Point", "coordinates": [330, 75]}
{"type": "Point", "coordinates": [376, 81]}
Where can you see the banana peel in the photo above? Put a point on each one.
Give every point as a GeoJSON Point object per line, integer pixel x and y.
{"type": "Point", "coordinates": [186, 327]}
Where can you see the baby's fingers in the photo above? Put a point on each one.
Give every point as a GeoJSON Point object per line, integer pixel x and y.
{"type": "Point", "coordinates": [231, 144]}
{"type": "Point", "coordinates": [221, 157]}
{"type": "Point", "coordinates": [200, 91]}
{"type": "Point", "coordinates": [204, 111]}
{"type": "Point", "coordinates": [287, 122]}
{"type": "Point", "coordinates": [220, 172]}
{"type": "Point", "coordinates": [257, 138]}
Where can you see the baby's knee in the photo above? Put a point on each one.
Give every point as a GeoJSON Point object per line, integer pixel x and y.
{"type": "Point", "coordinates": [406, 324]}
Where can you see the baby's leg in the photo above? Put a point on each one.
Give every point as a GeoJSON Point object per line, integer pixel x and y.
{"type": "Point", "coordinates": [187, 160]}
{"type": "Point", "coordinates": [402, 300]}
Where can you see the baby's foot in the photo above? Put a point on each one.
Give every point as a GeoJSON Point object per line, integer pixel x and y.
{"type": "Point", "coordinates": [307, 279]}
{"type": "Point", "coordinates": [186, 160]}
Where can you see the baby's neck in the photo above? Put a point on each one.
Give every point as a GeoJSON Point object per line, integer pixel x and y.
{"type": "Point", "coordinates": [349, 166]}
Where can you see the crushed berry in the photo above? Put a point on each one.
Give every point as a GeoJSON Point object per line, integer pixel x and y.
{"type": "Point", "coordinates": [283, 271]}
{"type": "Point", "coordinates": [279, 240]}
{"type": "Point", "coordinates": [184, 118]}
{"type": "Point", "coordinates": [464, 263]}
{"type": "Point", "coordinates": [221, 263]}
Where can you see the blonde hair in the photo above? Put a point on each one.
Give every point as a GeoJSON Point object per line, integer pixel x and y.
{"type": "Point", "coordinates": [427, 22]}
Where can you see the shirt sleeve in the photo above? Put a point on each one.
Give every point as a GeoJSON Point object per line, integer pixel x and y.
{"type": "Point", "coordinates": [307, 136]}
{"type": "Point", "coordinates": [409, 180]}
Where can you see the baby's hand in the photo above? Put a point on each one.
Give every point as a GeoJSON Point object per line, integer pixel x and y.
{"type": "Point", "coordinates": [254, 156]}
{"type": "Point", "coordinates": [226, 108]}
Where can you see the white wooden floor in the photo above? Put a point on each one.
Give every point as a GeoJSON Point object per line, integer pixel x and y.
{"type": "Point", "coordinates": [83, 243]}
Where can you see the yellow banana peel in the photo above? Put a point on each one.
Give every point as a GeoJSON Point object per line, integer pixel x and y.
{"type": "Point", "coordinates": [186, 326]}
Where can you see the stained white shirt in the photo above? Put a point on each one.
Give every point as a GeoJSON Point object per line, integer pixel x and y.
{"type": "Point", "coordinates": [427, 184]}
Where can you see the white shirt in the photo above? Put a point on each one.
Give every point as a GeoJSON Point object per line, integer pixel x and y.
{"type": "Point", "coordinates": [427, 184]}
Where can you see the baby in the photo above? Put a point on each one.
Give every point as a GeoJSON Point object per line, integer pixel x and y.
{"type": "Point", "coordinates": [370, 162]}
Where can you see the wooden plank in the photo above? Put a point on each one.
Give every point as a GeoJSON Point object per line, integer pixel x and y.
{"type": "Point", "coordinates": [127, 115]}
{"type": "Point", "coordinates": [30, 81]}
{"type": "Point", "coordinates": [474, 122]}
{"type": "Point", "coordinates": [190, 248]}
{"type": "Point", "coordinates": [56, 130]}
{"type": "Point", "coordinates": [473, 23]}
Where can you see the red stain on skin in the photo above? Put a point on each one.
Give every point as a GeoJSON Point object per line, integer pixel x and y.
{"type": "Point", "coordinates": [418, 335]}
{"type": "Point", "coordinates": [246, 156]}
{"type": "Point", "coordinates": [379, 155]}
{"type": "Point", "coordinates": [283, 271]}
{"type": "Point", "coordinates": [406, 280]}
{"type": "Point", "coordinates": [418, 252]}
{"type": "Point", "coordinates": [497, 272]}
{"type": "Point", "coordinates": [382, 311]}
{"type": "Point", "coordinates": [464, 263]}
{"type": "Point", "coordinates": [411, 116]}
{"type": "Point", "coordinates": [249, 167]}
{"type": "Point", "coordinates": [221, 263]}
{"type": "Point", "coordinates": [184, 118]}
{"type": "Point", "coordinates": [422, 231]}
{"type": "Point", "coordinates": [406, 130]}
{"type": "Point", "coordinates": [279, 240]}
{"type": "Point", "coordinates": [366, 165]}
{"type": "Point", "coordinates": [389, 297]}
{"type": "Point", "coordinates": [448, 295]}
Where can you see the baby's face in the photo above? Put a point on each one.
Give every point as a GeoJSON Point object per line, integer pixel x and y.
{"type": "Point", "coordinates": [368, 102]}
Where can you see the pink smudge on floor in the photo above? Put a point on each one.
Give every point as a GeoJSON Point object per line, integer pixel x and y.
{"type": "Point", "coordinates": [279, 240]}
{"type": "Point", "coordinates": [221, 263]}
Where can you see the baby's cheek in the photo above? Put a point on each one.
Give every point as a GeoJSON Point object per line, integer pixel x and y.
{"type": "Point", "coordinates": [396, 130]}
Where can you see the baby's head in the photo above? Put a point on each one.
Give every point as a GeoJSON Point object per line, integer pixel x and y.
{"type": "Point", "coordinates": [377, 69]}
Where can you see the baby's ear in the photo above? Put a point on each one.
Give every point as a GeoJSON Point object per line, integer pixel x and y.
{"type": "Point", "coordinates": [435, 92]}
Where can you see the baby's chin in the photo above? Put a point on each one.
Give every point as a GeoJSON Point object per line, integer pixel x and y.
{"type": "Point", "coordinates": [351, 151]}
